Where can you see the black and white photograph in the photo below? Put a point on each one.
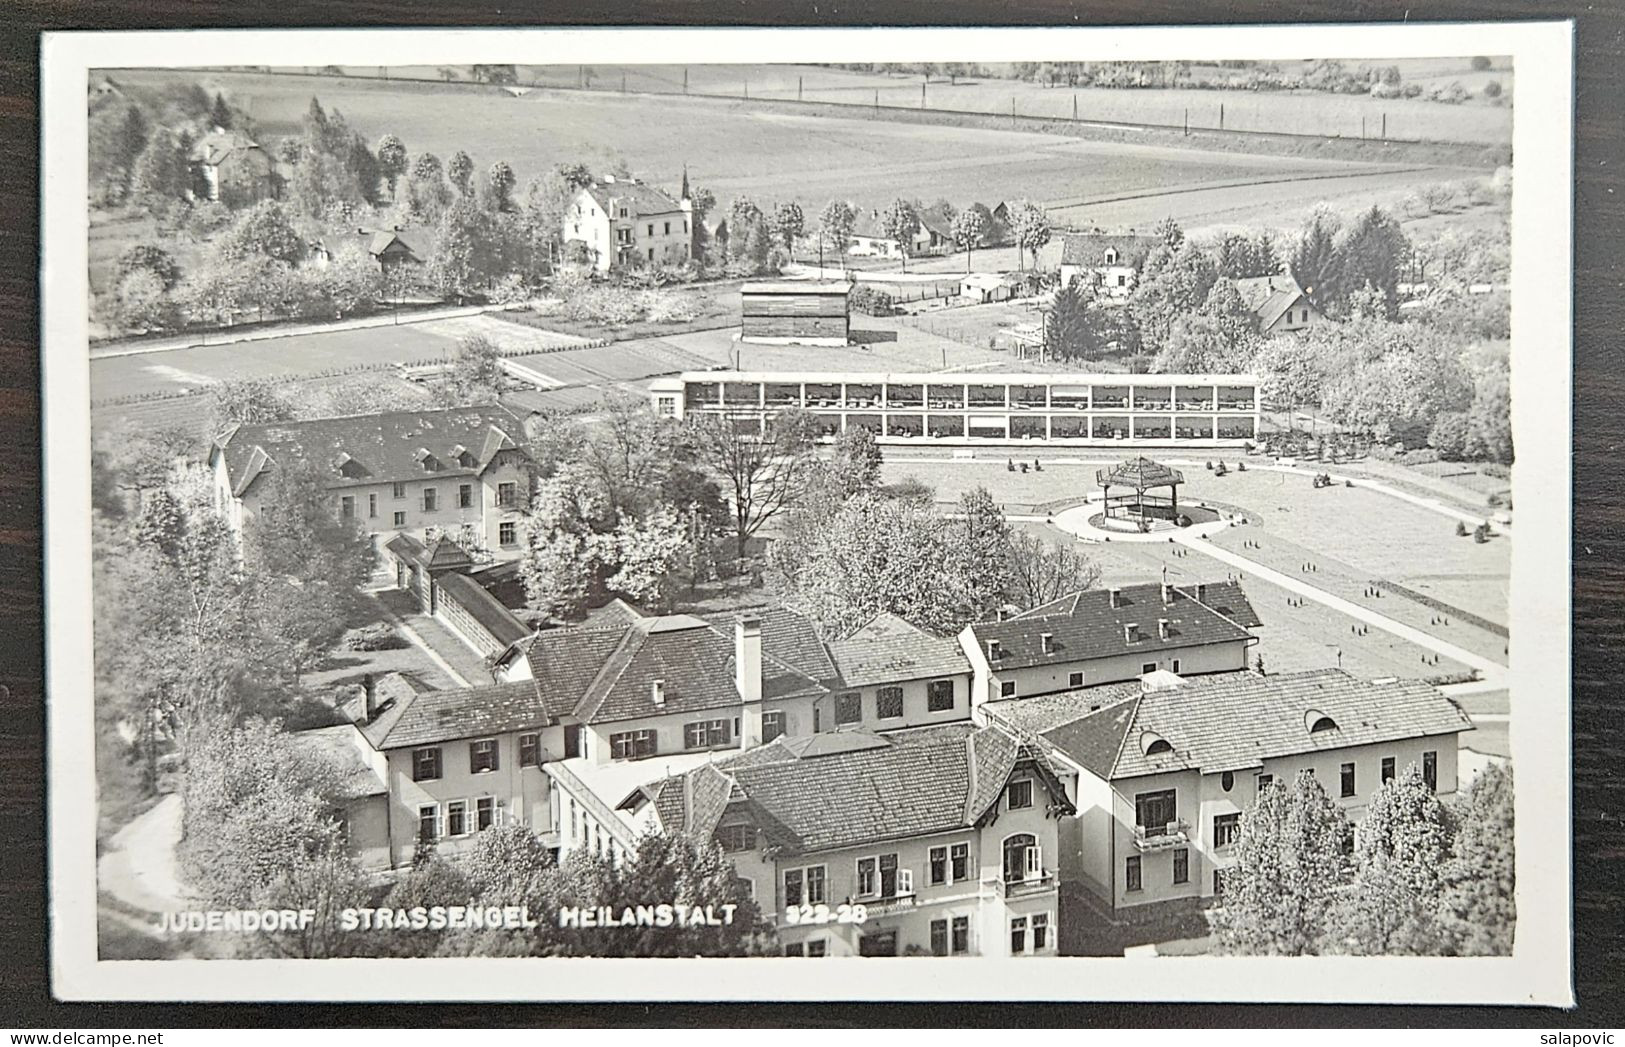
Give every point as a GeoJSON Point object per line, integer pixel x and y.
{"type": "Point", "coordinates": [1084, 512]}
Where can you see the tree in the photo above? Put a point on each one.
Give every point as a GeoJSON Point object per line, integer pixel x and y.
{"type": "Point", "coordinates": [1314, 260]}
{"type": "Point", "coordinates": [1290, 862]}
{"type": "Point", "coordinates": [1173, 284]}
{"type": "Point", "coordinates": [1041, 571]}
{"type": "Point", "coordinates": [683, 870]}
{"type": "Point", "coordinates": [392, 161]}
{"type": "Point", "coordinates": [835, 224]}
{"type": "Point", "coordinates": [1031, 227]}
{"type": "Point", "coordinates": [325, 881]}
{"type": "Point", "coordinates": [246, 401]}
{"type": "Point", "coordinates": [788, 223]}
{"type": "Point", "coordinates": [160, 174]}
{"type": "Point", "coordinates": [1237, 256]}
{"type": "Point", "coordinates": [1480, 63]}
{"type": "Point", "coordinates": [547, 198]}
{"type": "Point", "coordinates": [1220, 339]}
{"type": "Point", "coordinates": [152, 259]}
{"type": "Point", "coordinates": [461, 173]}
{"type": "Point", "coordinates": [495, 74]}
{"type": "Point", "coordinates": [1478, 911]}
{"type": "Point", "coordinates": [648, 552]}
{"type": "Point", "coordinates": [1489, 418]}
{"type": "Point", "coordinates": [761, 472]}
{"type": "Point", "coordinates": [1404, 843]}
{"type": "Point", "coordinates": [901, 223]}
{"type": "Point", "coordinates": [1170, 233]}
{"type": "Point", "coordinates": [476, 375]}
{"type": "Point", "coordinates": [1372, 254]}
{"type": "Point", "coordinates": [117, 137]}
{"type": "Point", "coordinates": [144, 304]}
{"type": "Point", "coordinates": [1068, 334]}
{"type": "Point", "coordinates": [265, 229]}
{"type": "Point", "coordinates": [427, 193]}
{"type": "Point", "coordinates": [466, 256]}
{"type": "Point", "coordinates": [855, 466]}
{"type": "Point", "coordinates": [220, 114]}
{"type": "Point", "coordinates": [565, 542]}
{"type": "Point", "coordinates": [503, 864]}
{"type": "Point", "coordinates": [969, 227]}
{"type": "Point", "coordinates": [499, 183]}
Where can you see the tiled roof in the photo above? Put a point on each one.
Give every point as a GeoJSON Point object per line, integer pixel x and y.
{"type": "Point", "coordinates": [693, 660]}
{"type": "Point", "coordinates": [375, 448]}
{"type": "Point", "coordinates": [1233, 721]}
{"type": "Point", "coordinates": [1140, 473]}
{"type": "Point", "coordinates": [638, 198]}
{"type": "Point", "coordinates": [936, 220]}
{"type": "Point", "coordinates": [565, 661]}
{"type": "Point", "coordinates": [1089, 249]}
{"type": "Point", "coordinates": [484, 608]}
{"type": "Point", "coordinates": [891, 650]}
{"type": "Point", "coordinates": [472, 712]}
{"type": "Point", "coordinates": [1268, 296]}
{"type": "Point", "coordinates": [906, 784]}
{"type": "Point", "coordinates": [787, 637]}
{"type": "Point", "coordinates": [358, 779]}
{"type": "Point", "coordinates": [1043, 712]}
{"type": "Point", "coordinates": [1085, 625]}
{"type": "Point", "coordinates": [379, 242]}
{"type": "Point", "coordinates": [213, 149]}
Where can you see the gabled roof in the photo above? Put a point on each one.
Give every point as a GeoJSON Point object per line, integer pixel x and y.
{"type": "Point", "coordinates": [380, 241]}
{"type": "Point", "coordinates": [607, 674]}
{"type": "Point", "coordinates": [891, 650]}
{"type": "Point", "coordinates": [935, 219]}
{"type": "Point", "coordinates": [371, 449]}
{"type": "Point", "coordinates": [1084, 625]}
{"type": "Point", "coordinates": [870, 789]}
{"type": "Point", "coordinates": [1269, 296]}
{"type": "Point", "coordinates": [1089, 249]}
{"type": "Point", "coordinates": [484, 608]}
{"type": "Point", "coordinates": [787, 637]}
{"type": "Point", "coordinates": [215, 148]}
{"type": "Point", "coordinates": [1233, 721]}
{"type": "Point", "coordinates": [639, 198]}
{"type": "Point", "coordinates": [430, 717]}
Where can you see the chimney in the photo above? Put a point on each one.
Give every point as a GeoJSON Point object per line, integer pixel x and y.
{"type": "Point", "coordinates": [1131, 633]}
{"type": "Point", "coordinates": [369, 698]}
{"type": "Point", "coordinates": [994, 651]}
{"type": "Point", "coordinates": [1201, 592]}
{"type": "Point", "coordinates": [1162, 628]}
{"type": "Point", "coordinates": [1048, 642]}
{"type": "Point", "coordinates": [657, 691]}
{"type": "Point", "coordinates": [748, 678]}
{"type": "Point", "coordinates": [608, 179]}
{"type": "Point", "coordinates": [1116, 596]}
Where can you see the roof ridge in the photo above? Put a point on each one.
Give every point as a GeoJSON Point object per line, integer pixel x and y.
{"type": "Point", "coordinates": [593, 697]}
{"type": "Point", "coordinates": [1134, 714]}
{"type": "Point", "coordinates": [971, 813]}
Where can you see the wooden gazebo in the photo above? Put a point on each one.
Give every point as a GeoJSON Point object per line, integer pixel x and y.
{"type": "Point", "coordinates": [1140, 474]}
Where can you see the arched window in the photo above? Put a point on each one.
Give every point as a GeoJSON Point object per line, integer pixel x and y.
{"type": "Point", "coordinates": [1152, 744]}
{"type": "Point", "coordinates": [1023, 859]}
{"type": "Point", "coordinates": [1318, 721]}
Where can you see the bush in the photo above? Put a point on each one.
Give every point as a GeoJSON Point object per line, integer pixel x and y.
{"type": "Point", "coordinates": [1481, 63]}
{"type": "Point", "coordinates": [871, 302]}
{"type": "Point", "coordinates": [1461, 529]}
{"type": "Point", "coordinates": [375, 637]}
{"type": "Point", "coordinates": [1494, 501]}
{"type": "Point", "coordinates": [1492, 89]}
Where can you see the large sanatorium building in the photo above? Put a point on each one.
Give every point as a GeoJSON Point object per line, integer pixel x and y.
{"type": "Point", "coordinates": [1065, 408]}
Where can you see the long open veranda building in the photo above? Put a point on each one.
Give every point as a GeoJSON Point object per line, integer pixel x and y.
{"type": "Point", "coordinates": [1164, 410]}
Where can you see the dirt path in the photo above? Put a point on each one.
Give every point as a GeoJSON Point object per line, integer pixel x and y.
{"type": "Point", "coordinates": [139, 866]}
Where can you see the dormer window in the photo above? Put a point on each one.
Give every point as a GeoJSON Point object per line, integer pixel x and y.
{"type": "Point", "coordinates": [994, 651]}
{"type": "Point", "coordinates": [657, 692]}
{"type": "Point", "coordinates": [1047, 642]}
{"type": "Point", "coordinates": [1131, 633]}
{"type": "Point", "coordinates": [1323, 723]}
{"type": "Point", "coordinates": [463, 456]}
{"type": "Point", "coordinates": [1161, 745]}
{"type": "Point", "coordinates": [429, 462]}
{"type": "Point", "coordinates": [1111, 256]}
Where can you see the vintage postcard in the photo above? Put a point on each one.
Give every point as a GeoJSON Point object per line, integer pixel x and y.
{"type": "Point", "coordinates": [1081, 512]}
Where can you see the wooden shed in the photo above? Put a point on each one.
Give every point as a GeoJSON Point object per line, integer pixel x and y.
{"type": "Point", "coordinates": [795, 313]}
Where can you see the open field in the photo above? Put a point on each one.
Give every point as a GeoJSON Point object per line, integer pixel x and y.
{"type": "Point", "coordinates": [771, 155]}
{"type": "Point", "coordinates": [1301, 112]}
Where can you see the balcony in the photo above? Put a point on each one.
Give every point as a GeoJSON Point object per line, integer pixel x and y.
{"type": "Point", "coordinates": [1020, 888]}
{"type": "Point", "coordinates": [888, 904]}
{"type": "Point", "coordinates": [1161, 837]}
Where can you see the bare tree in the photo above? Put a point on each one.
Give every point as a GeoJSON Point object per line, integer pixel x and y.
{"type": "Point", "coordinates": [1042, 571]}
{"type": "Point", "coordinates": [761, 472]}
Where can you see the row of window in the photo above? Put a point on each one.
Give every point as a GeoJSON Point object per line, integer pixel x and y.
{"type": "Point", "coordinates": [1007, 688]}
{"type": "Point", "coordinates": [458, 818]}
{"type": "Point", "coordinates": [881, 875]}
{"type": "Point", "coordinates": [482, 757]}
{"type": "Point", "coordinates": [939, 698]}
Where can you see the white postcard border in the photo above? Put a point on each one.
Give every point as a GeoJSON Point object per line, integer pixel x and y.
{"type": "Point", "coordinates": [1539, 972]}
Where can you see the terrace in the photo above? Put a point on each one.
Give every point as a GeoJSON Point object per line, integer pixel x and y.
{"type": "Point", "coordinates": [1152, 399]}
{"type": "Point", "coordinates": [945, 425]}
{"type": "Point", "coordinates": [1156, 428]}
{"type": "Point", "coordinates": [1194, 398]}
{"type": "Point", "coordinates": [1111, 398]}
{"type": "Point", "coordinates": [905, 425]}
{"type": "Point", "coordinates": [905, 396]}
{"type": "Point", "coordinates": [1193, 428]}
{"type": "Point", "coordinates": [1069, 397]}
{"type": "Point", "coordinates": [1028, 397]}
{"type": "Point", "coordinates": [737, 394]}
{"type": "Point", "coordinates": [987, 396]}
{"type": "Point", "coordinates": [823, 394]}
{"type": "Point", "coordinates": [1236, 429]}
{"type": "Point", "coordinates": [1236, 398]}
{"type": "Point", "coordinates": [945, 397]}
{"type": "Point", "coordinates": [1112, 428]}
{"type": "Point", "coordinates": [862, 394]}
{"type": "Point", "coordinates": [1162, 836]}
{"type": "Point", "coordinates": [782, 394]}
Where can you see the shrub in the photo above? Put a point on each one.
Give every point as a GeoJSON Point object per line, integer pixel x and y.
{"type": "Point", "coordinates": [1241, 467]}
{"type": "Point", "coordinates": [375, 637]}
{"type": "Point", "coordinates": [1492, 89]}
{"type": "Point", "coordinates": [870, 302]}
{"type": "Point", "coordinates": [1481, 533]}
{"type": "Point", "coordinates": [1461, 529]}
{"type": "Point", "coordinates": [1494, 501]}
{"type": "Point", "coordinates": [1481, 63]}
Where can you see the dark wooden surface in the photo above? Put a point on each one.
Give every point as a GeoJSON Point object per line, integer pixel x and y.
{"type": "Point", "coordinates": [1599, 533]}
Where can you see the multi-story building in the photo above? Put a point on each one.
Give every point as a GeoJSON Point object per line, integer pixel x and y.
{"type": "Point", "coordinates": [1165, 766]}
{"type": "Point", "coordinates": [424, 473]}
{"type": "Point", "coordinates": [622, 221]}
{"type": "Point", "coordinates": [1111, 263]}
{"type": "Point", "coordinates": [1162, 410]}
{"type": "Point", "coordinates": [1099, 636]}
{"type": "Point", "coordinates": [231, 167]}
{"type": "Point", "coordinates": [939, 840]}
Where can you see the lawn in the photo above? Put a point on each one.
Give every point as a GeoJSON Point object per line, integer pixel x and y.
{"type": "Point", "coordinates": [1357, 534]}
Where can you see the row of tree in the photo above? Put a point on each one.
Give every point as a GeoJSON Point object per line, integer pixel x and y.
{"type": "Point", "coordinates": [1420, 877]}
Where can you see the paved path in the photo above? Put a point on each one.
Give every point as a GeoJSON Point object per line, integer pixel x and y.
{"type": "Point", "coordinates": [1488, 670]}
{"type": "Point", "coordinates": [228, 336]}
{"type": "Point", "coordinates": [417, 641]}
{"type": "Point", "coordinates": [138, 867]}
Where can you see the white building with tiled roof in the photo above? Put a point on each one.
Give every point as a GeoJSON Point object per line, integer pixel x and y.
{"type": "Point", "coordinates": [1279, 303]}
{"type": "Point", "coordinates": [1111, 262]}
{"type": "Point", "coordinates": [622, 221]}
{"type": "Point", "coordinates": [1100, 636]}
{"type": "Point", "coordinates": [940, 840]}
{"type": "Point", "coordinates": [1165, 766]}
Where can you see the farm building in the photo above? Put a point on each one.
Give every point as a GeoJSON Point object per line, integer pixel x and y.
{"type": "Point", "coordinates": [1067, 409]}
{"type": "Point", "coordinates": [1112, 262]}
{"type": "Point", "coordinates": [792, 313]}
